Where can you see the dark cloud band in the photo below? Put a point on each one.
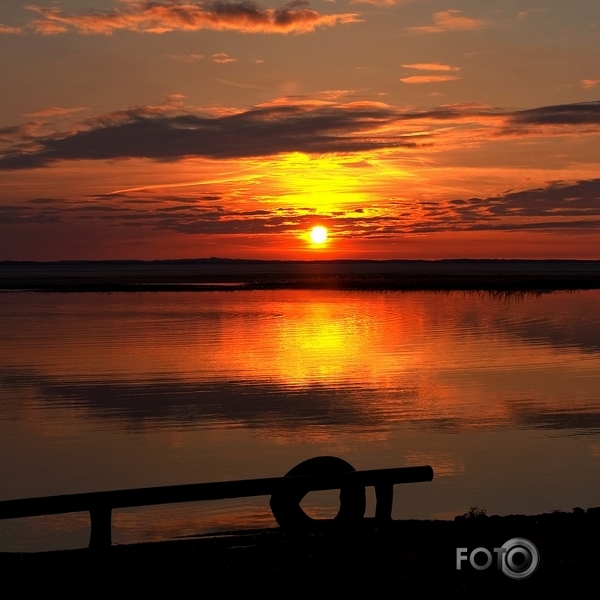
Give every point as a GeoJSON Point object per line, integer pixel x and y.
{"type": "Point", "coordinates": [258, 132]}
{"type": "Point", "coordinates": [162, 133]}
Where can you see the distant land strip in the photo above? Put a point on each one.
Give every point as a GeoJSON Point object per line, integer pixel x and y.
{"type": "Point", "coordinates": [217, 274]}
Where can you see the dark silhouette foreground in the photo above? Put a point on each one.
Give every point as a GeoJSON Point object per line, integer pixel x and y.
{"type": "Point", "coordinates": [318, 473]}
{"type": "Point", "coordinates": [401, 556]}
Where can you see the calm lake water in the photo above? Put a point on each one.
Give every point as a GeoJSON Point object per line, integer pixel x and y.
{"type": "Point", "coordinates": [500, 395]}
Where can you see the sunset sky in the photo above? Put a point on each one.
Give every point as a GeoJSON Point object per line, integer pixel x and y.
{"type": "Point", "coordinates": [408, 128]}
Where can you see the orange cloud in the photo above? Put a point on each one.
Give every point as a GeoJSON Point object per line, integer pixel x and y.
{"type": "Point", "coordinates": [431, 67]}
{"type": "Point", "coordinates": [151, 17]}
{"type": "Point", "coordinates": [9, 29]}
{"type": "Point", "coordinates": [381, 2]}
{"type": "Point", "coordinates": [449, 20]}
{"type": "Point", "coordinates": [428, 78]}
{"type": "Point", "coordinates": [588, 84]}
{"type": "Point", "coordinates": [376, 2]}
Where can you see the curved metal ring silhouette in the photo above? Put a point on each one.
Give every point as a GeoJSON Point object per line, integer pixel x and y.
{"type": "Point", "coordinates": [285, 504]}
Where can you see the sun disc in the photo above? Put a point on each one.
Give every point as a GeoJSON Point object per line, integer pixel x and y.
{"type": "Point", "coordinates": [318, 235]}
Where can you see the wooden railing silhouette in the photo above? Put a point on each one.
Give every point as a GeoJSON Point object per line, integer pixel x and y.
{"type": "Point", "coordinates": [286, 493]}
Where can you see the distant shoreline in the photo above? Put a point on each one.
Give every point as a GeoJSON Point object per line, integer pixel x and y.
{"type": "Point", "coordinates": [215, 274]}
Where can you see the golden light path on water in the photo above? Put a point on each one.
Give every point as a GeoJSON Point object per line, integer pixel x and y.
{"type": "Point", "coordinates": [500, 395]}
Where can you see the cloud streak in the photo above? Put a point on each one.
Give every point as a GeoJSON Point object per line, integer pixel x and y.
{"type": "Point", "coordinates": [144, 16]}
{"type": "Point", "coordinates": [54, 111]}
{"type": "Point", "coordinates": [428, 78]}
{"type": "Point", "coordinates": [588, 84]}
{"type": "Point", "coordinates": [168, 132]}
{"type": "Point", "coordinates": [156, 133]}
{"type": "Point", "coordinates": [566, 206]}
{"type": "Point", "coordinates": [187, 58]}
{"type": "Point", "coordinates": [431, 67]}
{"type": "Point", "coordinates": [222, 58]}
{"type": "Point", "coordinates": [7, 29]}
{"type": "Point", "coordinates": [450, 20]}
{"type": "Point", "coordinates": [547, 118]}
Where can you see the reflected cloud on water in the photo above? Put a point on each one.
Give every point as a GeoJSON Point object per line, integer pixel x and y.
{"type": "Point", "coordinates": [288, 360]}
{"type": "Point", "coordinates": [500, 394]}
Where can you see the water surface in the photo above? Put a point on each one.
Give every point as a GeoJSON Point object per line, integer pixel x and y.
{"type": "Point", "coordinates": [499, 394]}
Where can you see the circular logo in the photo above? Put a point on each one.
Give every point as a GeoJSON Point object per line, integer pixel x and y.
{"type": "Point", "coordinates": [520, 558]}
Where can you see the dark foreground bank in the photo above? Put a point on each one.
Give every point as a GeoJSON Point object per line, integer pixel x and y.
{"type": "Point", "coordinates": [218, 274]}
{"type": "Point", "coordinates": [405, 556]}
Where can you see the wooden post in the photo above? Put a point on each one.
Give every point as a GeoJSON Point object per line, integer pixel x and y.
{"type": "Point", "coordinates": [100, 535]}
{"type": "Point", "coordinates": [384, 493]}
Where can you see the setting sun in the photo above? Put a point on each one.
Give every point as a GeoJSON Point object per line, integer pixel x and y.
{"type": "Point", "coordinates": [318, 235]}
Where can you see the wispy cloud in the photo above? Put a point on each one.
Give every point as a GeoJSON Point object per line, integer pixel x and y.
{"type": "Point", "coordinates": [54, 111]}
{"type": "Point", "coordinates": [428, 78]}
{"type": "Point", "coordinates": [238, 84]}
{"type": "Point", "coordinates": [524, 14]}
{"type": "Point", "coordinates": [378, 2]}
{"type": "Point", "coordinates": [431, 67]}
{"type": "Point", "coordinates": [556, 206]}
{"type": "Point", "coordinates": [145, 16]}
{"type": "Point", "coordinates": [222, 58]}
{"type": "Point", "coordinates": [558, 201]}
{"type": "Point", "coordinates": [187, 58]}
{"type": "Point", "coordinates": [382, 2]}
{"type": "Point", "coordinates": [10, 30]}
{"type": "Point", "coordinates": [545, 119]}
{"type": "Point", "coordinates": [588, 84]}
{"type": "Point", "coordinates": [450, 20]}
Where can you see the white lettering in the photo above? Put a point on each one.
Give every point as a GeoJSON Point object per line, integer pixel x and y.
{"type": "Point", "coordinates": [488, 561]}
{"type": "Point", "coordinates": [461, 555]}
{"type": "Point", "coordinates": [500, 552]}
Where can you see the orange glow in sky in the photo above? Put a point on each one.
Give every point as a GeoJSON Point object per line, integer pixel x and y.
{"type": "Point", "coordinates": [458, 144]}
